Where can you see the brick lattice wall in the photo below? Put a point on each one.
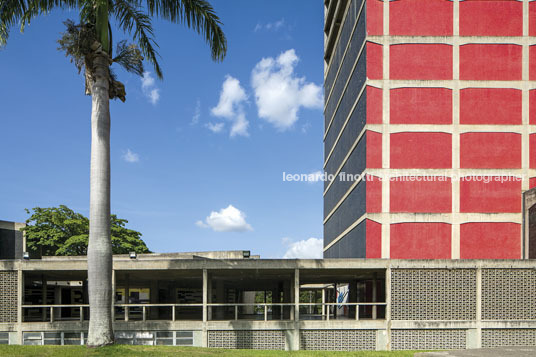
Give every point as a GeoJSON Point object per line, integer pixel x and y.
{"type": "Point", "coordinates": [8, 296]}
{"type": "Point", "coordinates": [433, 294]}
{"type": "Point", "coordinates": [338, 340]}
{"type": "Point", "coordinates": [247, 339]}
{"type": "Point", "coordinates": [508, 294]}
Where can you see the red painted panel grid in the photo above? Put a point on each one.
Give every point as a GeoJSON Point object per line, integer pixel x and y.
{"type": "Point", "coordinates": [532, 18]}
{"type": "Point", "coordinates": [420, 61]}
{"type": "Point", "coordinates": [421, 150]}
{"type": "Point", "coordinates": [532, 150]}
{"type": "Point", "coordinates": [374, 61]}
{"type": "Point", "coordinates": [490, 241]}
{"type": "Point", "coordinates": [501, 62]}
{"type": "Point", "coordinates": [491, 106]}
{"type": "Point", "coordinates": [421, 106]}
{"type": "Point", "coordinates": [374, 149]}
{"type": "Point", "coordinates": [490, 194]}
{"type": "Point", "coordinates": [491, 18]}
{"type": "Point", "coordinates": [421, 194]}
{"type": "Point", "coordinates": [490, 150]}
{"type": "Point", "coordinates": [532, 63]}
{"type": "Point", "coordinates": [374, 19]}
{"type": "Point", "coordinates": [373, 245]}
{"type": "Point", "coordinates": [532, 182]}
{"type": "Point", "coordinates": [532, 107]}
{"type": "Point", "coordinates": [420, 241]}
{"type": "Point", "coordinates": [373, 194]}
{"type": "Point", "coordinates": [420, 18]}
{"type": "Point", "coordinates": [374, 105]}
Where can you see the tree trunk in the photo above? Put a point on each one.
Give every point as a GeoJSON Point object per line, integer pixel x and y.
{"type": "Point", "coordinates": [99, 256]}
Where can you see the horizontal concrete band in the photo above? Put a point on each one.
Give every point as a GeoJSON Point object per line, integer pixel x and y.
{"type": "Point", "coordinates": [452, 40]}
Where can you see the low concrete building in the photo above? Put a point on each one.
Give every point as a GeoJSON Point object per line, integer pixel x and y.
{"type": "Point", "coordinates": [391, 304]}
{"type": "Point", "coordinates": [236, 300]}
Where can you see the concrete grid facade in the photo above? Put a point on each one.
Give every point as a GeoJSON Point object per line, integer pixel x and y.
{"type": "Point", "coordinates": [421, 93]}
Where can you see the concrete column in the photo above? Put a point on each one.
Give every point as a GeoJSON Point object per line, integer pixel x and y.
{"type": "Point", "coordinates": [478, 333]}
{"type": "Point", "coordinates": [20, 300]}
{"type": "Point", "coordinates": [388, 307]}
{"type": "Point", "coordinates": [374, 297]}
{"type": "Point", "coordinates": [204, 343]}
{"type": "Point", "coordinates": [85, 292]}
{"type": "Point", "coordinates": [323, 302]}
{"type": "Point", "coordinates": [296, 294]}
{"type": "Point", "coordinates": [209, 298]}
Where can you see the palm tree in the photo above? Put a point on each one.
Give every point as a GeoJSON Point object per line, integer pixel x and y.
{"type": "Point", "coordinates": [89, 44]}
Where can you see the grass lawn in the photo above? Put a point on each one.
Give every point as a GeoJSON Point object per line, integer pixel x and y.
{"type": "Point", "coordinates": [147, 351]}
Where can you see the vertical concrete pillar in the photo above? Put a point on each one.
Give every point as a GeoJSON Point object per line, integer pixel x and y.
{"type": "Point", "coordinates": [295, 337]}
{"type": "Point", "coordinates": [204, 343]}
{"type": "Point", "coordinates": [20, 300]}
{"type": "Point", "coordinates": [388, 307]}
{"type": "Point", "coordinates": [478, 333]}
{"type": "Point", "coordinates": [374, 297]}
{"type": "Point", "coordinates": [85, 291]}
{"type": "Point", "coordinates": [323, 302]}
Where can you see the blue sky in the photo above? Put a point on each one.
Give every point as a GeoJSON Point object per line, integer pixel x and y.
{"type": "Point", "coordinates": [198, 158]}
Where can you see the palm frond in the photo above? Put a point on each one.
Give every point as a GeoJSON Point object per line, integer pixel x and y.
{"type": "Point", "coordinates": [129, 57]}
{"type": "Point", "coordinates": [38, 7]}
{"type": "Point", "coordinates": [11, 11]}
{"type": "Point", "coordinates": [134, 21]}
{"type": "Point", "coordinates": [196, 14]}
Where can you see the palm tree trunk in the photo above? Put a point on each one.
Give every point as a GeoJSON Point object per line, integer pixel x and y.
{"type": "Point", "coordinates": [99, 257]}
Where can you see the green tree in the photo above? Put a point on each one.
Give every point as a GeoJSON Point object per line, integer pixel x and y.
{"type": "Point", "coordinates": [62, 231]}
{"type": "Point", "coordinates": [89, 44]}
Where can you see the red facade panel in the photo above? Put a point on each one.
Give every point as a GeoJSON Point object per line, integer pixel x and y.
{"type": "Point", "coordinates": [532, 182]}
{"type": "Point", "coordinates": [374, 61]}
{"type": "Point", "coordinates": [421, 106]}
{"type": "Point", "coordinates": [421, 150]}
{"type": "Point", "coordinates": [532, 18]}
{"type": "Point", "coordinates": [491, 18]}
{"type": "Point", "coordinates": [374, 105]}
{"type": "Point", "coordinates": [374, 13]}
{"type": "Point", "coordinates": [420, 18]}
{"type": "Point", "coordinates": [420, 61]}
{"type": "Point", "coordinates": [421, 194]}
{"type": "Point", "coordinates": [490, 194]}
{"type": "Point", "coordinates": [490, 150]}
{"type": "Point", "coordinates": [532, 107]}
{"type": "Point", "coordinates": [490, 106]}
{"type": "Point", "coordinates": [374, 149]}
{"type": "Point", "coordinates": [532, 63]}
{"type": "Point", "coordinates": [532, 150]}
{"type": "Point", "coordinates": [490, 241]}
{"type": "Point", "coordinates": [373, 245]}
{"type": "Point", "coordinates": [501, 62]}
{"type": "Point", "coordinates": [374, 194]}
{"type": "Point", "coordinates": [420, 241]}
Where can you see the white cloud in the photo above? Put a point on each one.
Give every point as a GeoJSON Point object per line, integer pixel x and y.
{"type": "Point", "coordinates": [311, 248]}
{"type": "Point", "coordinates": [130, 156]}
{"type": "Point", "coordinates": [197, 112]}
{"type": "Point", "coordinates": [270, 26]}
{"type": "Point", "coordinates": [228, 219]}
{"type": "Point", "coordinates": [149, 89]}
{"type": "Point", "coordinates": [279, 93]}
{"type": "Point", "coordinates": [230, 106]}
{"type": "Point", "coordinates": [215, 127]}
{"type": "Point", "coordinates": [315, 176]}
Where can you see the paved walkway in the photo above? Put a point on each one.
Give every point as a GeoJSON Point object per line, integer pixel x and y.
{"type": "Point", "coordinates": [484, 352]}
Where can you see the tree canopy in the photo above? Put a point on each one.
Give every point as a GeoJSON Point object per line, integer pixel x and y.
{"type": "Point", "coordinates": [62, 231]}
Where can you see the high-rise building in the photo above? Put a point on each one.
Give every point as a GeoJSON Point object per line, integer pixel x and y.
{"type": "Point", "coordinates": [430, 128]}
